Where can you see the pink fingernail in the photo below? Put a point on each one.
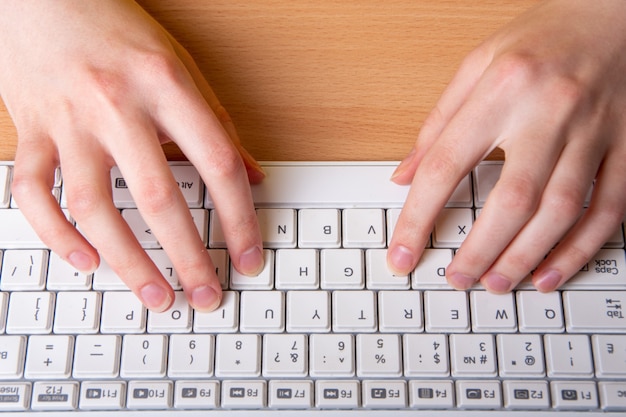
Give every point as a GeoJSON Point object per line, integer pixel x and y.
{"type": "Point", "coordinates": [548, 281]}
{"type": "Point", "coordinates": [402, 166]}
{"type": "Point", "coordinates": [401, 260]}
{"type": "Point", "coordinates": [205, 299]}
{"type": "Point", "coordinates": [251, 262]}
{"type": "Point", "coordinates": [82, 262]}
{"type": "Point", "coordinates": [155, 297]}
{"type": "Point", "coordinates": [497, 283]}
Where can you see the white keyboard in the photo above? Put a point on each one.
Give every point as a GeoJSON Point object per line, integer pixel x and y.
{"type": "Point", "coordinates": [325, 330]}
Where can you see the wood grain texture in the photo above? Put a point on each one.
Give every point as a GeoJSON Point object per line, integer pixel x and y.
{"type": "Point", "coordinates": [324, 79]}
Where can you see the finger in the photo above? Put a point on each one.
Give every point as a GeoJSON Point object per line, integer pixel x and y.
{"type": "Point", "coordinates": [560, 207]}
{"type": "Point", "coordinates": [451, 100]}
{"type": "Point", "coordinates": [163, 208]}
{"type": "Point", "coordinates": [33, 179]}
{"type": "Point", "coordinates": [255, 172]}
{"type": "Point", "coordinates": [602, 218]}
{"type": "Point", "coordinates": [188, 119]}
{"type": "Point", "coordinates": [88, 188]}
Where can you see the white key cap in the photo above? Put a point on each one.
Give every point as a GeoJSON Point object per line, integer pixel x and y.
{"type": "Point", "coordinates": [574, 395]}
{"type": "Point", "coordinates": [99, 395]}
{"type": "Point", "coordinates": [143, 356]}
{"type": "Point", "coordinates": [5, 192]}
{"type": "Point", "coordinates": [297, 269]}
{"type": "Point", "coordinates": [57, 396]}
{"type": "Point", "coordinates": [149, 395]}
{"type": "Point", "coordinates": [285, 355]}
{"type": "Point", "coordinates": [122, 312]}
{"type": "Point", "coordinates": [176, 319]}
{"type": "Point", "coordinates": [478, 395]}
{"type": "Point", "coordinates": [568, 356]}
{"type": "Point", "coordinates": [49, 357]}
{"type": "Point", "coordinates": [342, 269]}
{"type": "Point", "coordinates": [186, 176]}
{"type": "Point", "coordinates": [244, 394]}
{"type": "Point", "coordinates": [378, 276]}
{"type": "Point", "coordinates": [606, 270]}
{"type": "Point", "coordinates": [451, 227]}
{"type": "Point", "coordinates": [216, 233]}
{"type": "Point", "coordinates": [104, 279]}
{"type": "Point", "coordinates": [97, 356]}
{"type": "Point", "coordinates": [473, 355]}
{"type": "Point", "coordinates": [612, 395]}
{"type": "Point", "coordinates": [278, 227]}
{"type": "Point", "coordinates": [4, 305]}
{"type": "Point", "coordinates": [485, 176]}
{"type": "Point", "coordinates": [17, 396]}
{"type": "Point", "coordinates": [378, 355]}
{"type": "Point", "coordinates": [540, 312]}
{"type": "Point", "coordinates": [354, 311]}
{"type": "Point", "coordinates": [225, 319]}
{"type": "Point", "coordinates": [520, 355]}
{"type": "Point", "coordinates": [30, 312]}
{"type": "Point", "coordinates": [308, 311]}
{"type": "Point", "coordinates": [400, 311]}
{"type": "Point", "coordinates": [290, 394]}
{"type": "Point", "coordinates": [430, 272]}
{"type": "Point", "coordinates": [426, 355]}
{"type": "Point", "coordinates": [12, 357]}
{"type": "Point", "coordinates": [16, 232]}
{"type": "Point", "coordinates": [392, 219]}
{"type": "Point", "coordinates": [526, 395]}
{"type": "Point", "coordinates": [77, 312]}
{"type": "Point", "coordinates": [363, 228]}
{"type": "Point", "coordinates": [165, 266]}
{"type": "Point", "coordinates": [63, 276]}
{"type": "Point", "coordinates": [462, 194]}
{"type": "Point", "coordinates": [262, 311]}
{"type": "Point", "coordinates": [332, 355]}
{"type": "Point", "coordinates": [263, 281]}
{"type": "Point", "coordinates": [431, 394]}
{"type": "Point", "coordinates": [24, 270]}
{"type": "Point", "coordinates": [338, 394]}
{"type": "Point", "coordinates": [196, 395]}
{"type": "Point", "coordinates": [191, 355]}
{"type": "Point", "coordinates": [319, 228]}
{"type": "Point", "coordinates": [594, 311]}
{"type": "Point", "coordinates": [237, 355]}
{"type": "Point", "coordinates": [492, 312]}
{"type": "Point", "coordinates": [446, 311]}
{"type": "Point", "coordinates": [610, 355]}
{"type": "Point", "coordinates": [386, 394]}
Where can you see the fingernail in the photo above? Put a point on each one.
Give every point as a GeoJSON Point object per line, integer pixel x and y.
{"type": "Point", "coordinates": [401, 260]}
{"type": "Point", "coordinates": [548, 281]}
{"type": "Point", "coordinates": [155, 297]}
{"type": "Point", "coordinates": [461, 281]}
{"type": "Point", "coordinates": [402, 166]}
{"type": "Point", "coordinates": [251, 261]}
{"type": "Point", "coordinates": [497, 283]}
{"type": "Point", "coordinates": [82, 262]}
{"type": "Point", "coordinates": [205, 299]}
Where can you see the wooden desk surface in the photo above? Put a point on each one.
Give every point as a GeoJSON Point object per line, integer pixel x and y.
{"type": "Point", "coordinates": [324, 79]}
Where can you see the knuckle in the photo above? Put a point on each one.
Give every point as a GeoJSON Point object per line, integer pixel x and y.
{"type": "Point", "coordinates": [518, 196]}
{"type": "Point", "coordinates": [568, 203]}
{"type": "Point", "coordinates": [157, 196]}
{"type": "Point", "coordinates": [225, 162]}
{"type": "Point", "coordinates": [518, 68]}
{"type": "Point", "coordinates": [83, 200]}
{"type": "Point", "coordinates": [442, 168]}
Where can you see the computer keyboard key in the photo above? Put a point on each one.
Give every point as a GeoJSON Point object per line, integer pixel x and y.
{"type": "Point", "coordinates": [400, 311]}
{"type": "Point", "coordinates": [176, 319]}
{"type": "Point", "coordinates": [263, 281]}
{"type": "Point", "coordinates": [24, 270]}
{"type": "Point", "coordinates": [191, 355]}
{"type": "Point", "coordinates": [77, 312]}
{"type": "Point", "coordinates": [342, 269]}
{"type": "Point", "coordinates": [430, 272]}
{"type": "Point", "coordinates": [331, 355]}
{"type": "Point", "coordinates": [612, 396]}
{"type": "Point", "coordinates": [354, 311]}
{"type": "Point", "coordinates": [30, 312]}
{"type": "Point", "coordinates": [446, 311]}
{"type": "Point", "coordinates": [55, 396]}
{"type": "Point", "coordinates": [605, 270]}
{"type": "Point", "coordinates": [196, 395]}
{"type": "Point", "coordinates": [363, 228]}
{"type": "Point", "coordinates": [238, 355]}
{"type": "Point", "coordinates": [288, 394]}
{"type": "Point", "coordinates": [574, 395]}
{"type": "Point", "coordinates": [526, 395]}
{"type": "Point", "coordinates": [319, 228]}
{"type": "Point", "coordinates": [485, 177]}
{"type": "Point", "coordinates": [262, 312]}
{"type": "Point", "coordinates": [63, 276]}
{"type": "Point", "coordinates": [143, 356]}
{"type": "Point", "coordinates": [378, 276]}
{"type": "Point", "coordinates": [285, 355]}
{"type": "Point", "coordinates": [337, 394]}
{"type": "Point", "coordinates": [520, 355]}
{"type": "Point", "coordinates": [426, 355]}
{"type": "Point", "coordinates": [473, 355]}
{"type": "Point", "coordinates": [97, 356]}
{"type": "Point", "coordinates": [609, 352]}
{"type": "Point", "coordinates": [297, 269]}
{"type": "Point", "coordinates": [308, 311]}
{"type": "Point", "coordinates": [378, 355]}
{"type": "Point", "coordinates": [568, 356]}
{"type": "Point", "coordinates": [102, 395]}
{"type": "Point", "coordinates": [122, 312]}
{"type": "Point", "coordinates": [493, 313]}
{"type": "Point", "coordinates": [12, 357]}
{"type": "Point", "coordinates": [278, 227]}
{"type": "Point", "coordinates": [49, 357]}
{"type": "Point", "coordinates": [16, 396]}
{"type": "Point", "coordinates": [385, 394]}
{"type": "Point", "coordinates": [244, 394]}
{"type": "Point", "coordinates": [540, 312]}
{"type": "Point", "coordinates": [225, 319]}
{"type": "Point", "coordinates": [594, 311]}
{"type": "Point", "coordinates": [431, 394]}
{"type": "Point", "coordinates": [478, 394]}
{"type": "Point", "coordinates": [5, 192]}
{"type": "Point", "coordinates": [149, 395]}
{"type": "Point", "coordinates": [452, 227]}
